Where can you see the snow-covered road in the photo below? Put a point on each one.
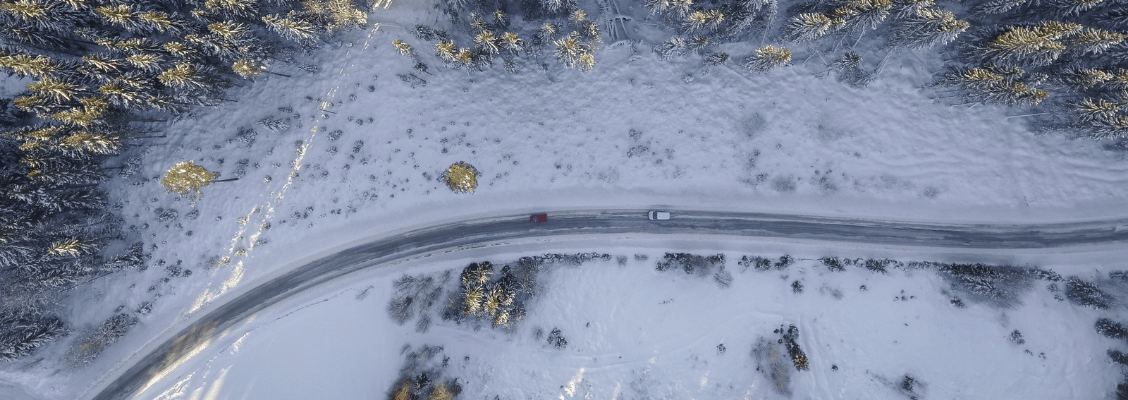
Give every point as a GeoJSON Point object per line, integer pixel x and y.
{"type": "Point", "coordinates": [515, 229]}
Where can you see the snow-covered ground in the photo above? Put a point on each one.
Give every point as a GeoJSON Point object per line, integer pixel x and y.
{"type": "Point", "coordinates": [357, 154]}
{"type": "Point", "coordinates": [636, 333]}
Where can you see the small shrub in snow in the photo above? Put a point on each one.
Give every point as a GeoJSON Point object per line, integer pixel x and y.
{"type": "Point", "coordinates": [797, 287]}
{"type": "Point", "coordinates": [833, 264]}
{"type": "Point", "coordinates": [881, 266]}
{"type": "Point", "coordinates": [1016, 337]}
{"type": "Point", "coordinates": [784, 261]}
{"type": "Point", "coordinates": [168, 215]}
{"type": "Point", "coordinates": [757, 262]}
{"type": "Point", "coordinates": [1086, 294]}
{"type": "Point", "coordinates": [691, 263]}
{"type": "Point", "coordinates": [556, 339]}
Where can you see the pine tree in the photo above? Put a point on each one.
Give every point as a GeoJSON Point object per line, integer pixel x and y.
{"type": "Point", "coordinates": [85, 141]}
{"type": "Point", "coordinates": [57, 90]}
{"type": "Point", "coordinates": [487, 42]}
{"type": "Point", "coordinates": [510, 41]}
{"type": "Point", "coordinates": [21, 334]}
{"type": "Point", "coordinates": [868, 14]}
{"type": "Point", "coordinates": [983, 85]}
{"type": "Point", "coordinates": [182, 76]}
{"type": "Point", "coordinates": [186, 178]}
{"type": "Point", "coordinates": [993, 7]}
{"type": "Point", "coordinates": [25, 65]}
{"type": "Point", "coordinates": [233, 8]}
{"type": "Point", "coordinates": [926, 28]}
{"type": "Point", "coordinates": [1080, 78]}
{"type": "Point", "coordinates": [1025, 47]}
{"type": "Point", "coordinates": [403, 48]}
{"type": "Point", "coordinates": [1095, 41]}
{"type": "Point", "coordinates": [570, 50]}
{"type": "Point", "coordinates": [704, 20]}
{"type": "Point", "coordinates": [247, 68]}
{"type": "Point", "coordinates": [291, 27]}
{"type": "Point", "coordinates": [906, 8]}
{"type": "Point", "coordinates": [807, 27]}
{"type": "Point", "coordinates": [766, 58]}
{"type": "Point", "coordinates": [1091, 111]}
{"type": "Point", "coordinates": [675, 46]}
{"type": "Point", "coordinates": [1075, 7]}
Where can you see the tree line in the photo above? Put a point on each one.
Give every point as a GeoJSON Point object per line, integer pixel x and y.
{"type": "Point", "coordinates": [96, 72]}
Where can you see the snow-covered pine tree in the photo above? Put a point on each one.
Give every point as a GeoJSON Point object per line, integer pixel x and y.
{"type": "Point", "coordinates": [56, 198]}
{"type": "Point", "coordinates": [926, 28]}
{"type": "Point", "coordinates": [766, 58]}
{"type": "Point", "coordinates": [807, 27]}
{"type": "Point", "coordinates": [906, 8]}
{"type": "Point", "coordinates": [292, 26]}
{"type": "Point", "coordinates": [1093, 41]}
{"type": "Point", "coordinates": [511, 42]}
{"type": "Point", "coordinates": [715, 59]}
{"type": "Point", "coordinates": [1073, 8]}
{"type": "Point", "coordinates": [672, 47]}
{"type": "Point", "coordinates": [994, 7]}
{"type": "Point", "coordinates": [21, 334]}
{"type": "Point", "coordinates": [865, 14]}
{"type": "Point", "coordinates": [987, 86]}
{"type": "Point", "coordinates": [1079, 79]}
{"type": "Point", "coordinates": [1025, 47]}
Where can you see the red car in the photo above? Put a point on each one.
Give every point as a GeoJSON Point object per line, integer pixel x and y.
{"type": "Point", "coordinates": [538, 218]}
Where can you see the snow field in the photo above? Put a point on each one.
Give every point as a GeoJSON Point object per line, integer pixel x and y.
{"type": "Point", "coordinates": [634, 332]}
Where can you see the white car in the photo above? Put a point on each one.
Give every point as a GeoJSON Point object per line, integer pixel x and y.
{"type": "Point", "coordinates": [658, 215]}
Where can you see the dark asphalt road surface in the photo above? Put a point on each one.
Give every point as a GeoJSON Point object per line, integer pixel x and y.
{"type": "Point", "coordinates": [729, 225]}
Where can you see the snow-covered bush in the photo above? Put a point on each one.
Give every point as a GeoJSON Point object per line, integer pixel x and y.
{"type": "Point", "coordinates": [422, 376]}
{"type": "Point", "coordinates": [790, 341]}
{"type": "Point", "coordinates": [1112, 329]}
{"type": "Point", "coordinates": [998, 286]}
{"type": "Point", "coordinates": [22, 334]}
{"type": "Point", "coordinates": [756, 262]}
{"type": "Point", "coordinates": [691, 263]}
{"type": "Point", "coordinates": [833, 264]}
{"type": "Point", "coordinates": [415, 294]}
{"type": "Point", "coordinates": [1086, 294]}
{"type": "Point", "coordinates": [91, 344]}
{"type": "Point", "coordinates": [881, 266]}
{"type": "Point", "coordinates": [771, 361]}
{"type": "Point", "coordinates": [556, 339]}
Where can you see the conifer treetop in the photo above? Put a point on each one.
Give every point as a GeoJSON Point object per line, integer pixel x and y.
{"type": "Point", "coordinates": [186, 178]}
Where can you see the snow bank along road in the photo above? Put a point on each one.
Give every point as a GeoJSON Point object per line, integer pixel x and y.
{"type": "Point", "coordinates": [451, 236]}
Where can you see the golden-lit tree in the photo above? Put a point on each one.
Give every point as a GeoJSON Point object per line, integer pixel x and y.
{"type": "Point", "coordinates": [186, 178]}
{"type": "Point", "coordinates": [766, 58]}
{"type": "Point", "coordinates": [461, 177]}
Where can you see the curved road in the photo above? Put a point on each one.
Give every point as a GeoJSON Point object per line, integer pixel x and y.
{"type": "Point", "coordinates": [190, 340]}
